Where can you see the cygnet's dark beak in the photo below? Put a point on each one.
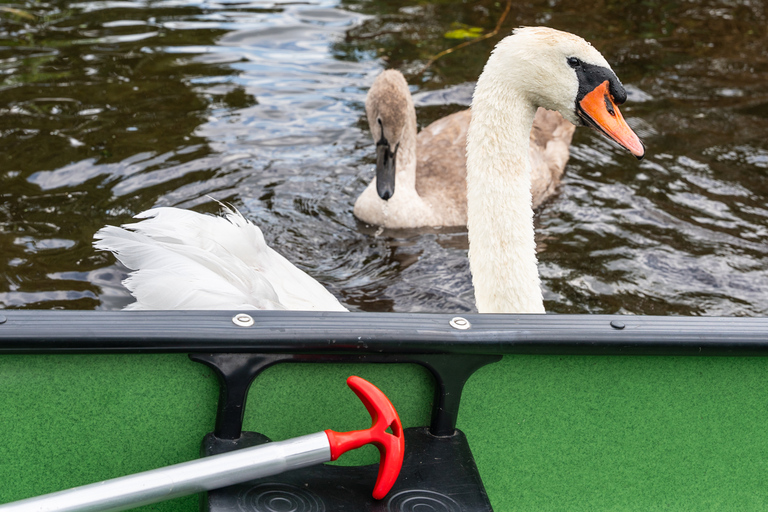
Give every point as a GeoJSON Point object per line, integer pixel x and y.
{"type": "Point", "coordinates": [385, 169]}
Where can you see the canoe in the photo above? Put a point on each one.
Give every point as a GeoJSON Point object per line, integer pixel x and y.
{"type": "Point", "coordinates": [560, 412]}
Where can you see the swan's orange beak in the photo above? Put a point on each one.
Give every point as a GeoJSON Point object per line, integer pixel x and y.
{"type": "Point", "coordinates": [599, 111]}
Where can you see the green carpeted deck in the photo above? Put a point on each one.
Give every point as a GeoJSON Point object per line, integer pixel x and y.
{"type": "Point", "coordinates": [548, 433]}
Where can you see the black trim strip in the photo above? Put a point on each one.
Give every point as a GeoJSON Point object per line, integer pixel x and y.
{"type": "Point", "coordinates": [288, 332]}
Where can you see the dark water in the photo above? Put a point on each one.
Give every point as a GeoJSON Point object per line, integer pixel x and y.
{"type": "Point", "coordinates": [108, 108]}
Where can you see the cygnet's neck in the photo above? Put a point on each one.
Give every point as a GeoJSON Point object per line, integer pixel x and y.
{"type": "Point", "coordinates": [502, 249]}
{"type": "Point", "coordinates": [405, 164]}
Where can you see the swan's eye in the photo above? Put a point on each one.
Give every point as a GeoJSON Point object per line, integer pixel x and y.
{"type": "Point", "coordinates": [574, 62]}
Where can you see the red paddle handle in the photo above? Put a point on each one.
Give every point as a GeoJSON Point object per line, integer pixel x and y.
{"type": "Point", "coordinates": [391, 446]}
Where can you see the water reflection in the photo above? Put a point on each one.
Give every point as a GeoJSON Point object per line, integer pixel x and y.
{"type": "Point", "coordinates": [109, 108]}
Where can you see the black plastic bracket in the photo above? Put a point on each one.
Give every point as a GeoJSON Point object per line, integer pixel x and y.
{"type": "Point", "coordinates": [439, 472]}
{"type": "Point", "coordinates": [236, 373]}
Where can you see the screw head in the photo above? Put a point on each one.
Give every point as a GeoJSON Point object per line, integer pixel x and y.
{"type": "Point", "coordinates": [243, 320]}
{"type": "Point", "coordinates": [617, 324]}
{"type": "Point", "coordinates": [460, 323]}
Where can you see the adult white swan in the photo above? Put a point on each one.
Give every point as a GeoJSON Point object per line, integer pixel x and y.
{"type": "Point", "coordinates": [534, 67]}
{"type": "Point", "coordinates": [421, 180]}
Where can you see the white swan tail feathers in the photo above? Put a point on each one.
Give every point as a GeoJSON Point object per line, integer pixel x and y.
{"type": "Point", "coordinates": [181, 259]}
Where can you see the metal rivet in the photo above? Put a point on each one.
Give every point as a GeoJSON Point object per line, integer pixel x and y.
{"type": "Point", "coordinates": [616, 324]}
{"type": "Point", "coordinates": [3, 319]}
{"type": "Point", "coordinates": [242, 320]}
{"type": "Point", "coordinates": [458, 322]}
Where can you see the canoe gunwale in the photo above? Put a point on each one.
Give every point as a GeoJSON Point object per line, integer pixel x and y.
{"type": "Point", "coordinates": [295, 332]}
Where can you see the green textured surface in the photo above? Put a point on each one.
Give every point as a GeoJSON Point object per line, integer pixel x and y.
{"type": "Point", "coordinates": [621, 433]}
{"type": "Point", "coordinates": [548, 433]}
{"type": "Point", "coordinates": [70, 420]}
{"type": "Point", "coordinates": [320, 399]}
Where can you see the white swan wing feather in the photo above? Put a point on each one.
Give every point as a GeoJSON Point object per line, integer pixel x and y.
{"type": "Point", "coordinates": [186, 260]}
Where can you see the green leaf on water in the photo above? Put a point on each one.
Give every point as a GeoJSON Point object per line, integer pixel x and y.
{"type": "Point", "coordinates": [465, 32]}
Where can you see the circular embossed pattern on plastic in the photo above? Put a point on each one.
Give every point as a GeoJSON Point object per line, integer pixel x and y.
{"type": "Point", "coordinates": [422, 501]}
{"type": "Point", "coordinates": [279, 498]}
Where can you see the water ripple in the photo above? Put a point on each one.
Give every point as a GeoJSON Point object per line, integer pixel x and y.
{"type": "Point", "coordinates": [112, 107]}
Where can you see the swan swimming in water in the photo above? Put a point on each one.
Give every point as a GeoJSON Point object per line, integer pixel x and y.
{"type": "Point", "coordinates": [179, 254]}
{"type": "Point", "coordinates": [421, 180]}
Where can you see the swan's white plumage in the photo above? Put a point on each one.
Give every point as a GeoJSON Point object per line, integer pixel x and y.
{"type": "Point", "coordinates": [525, 71]}
{"type": "Point", "coordinates": [186, 260]}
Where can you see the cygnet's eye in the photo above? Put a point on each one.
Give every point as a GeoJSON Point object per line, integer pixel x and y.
{"type": "Point", "coordinates": [574, 62]}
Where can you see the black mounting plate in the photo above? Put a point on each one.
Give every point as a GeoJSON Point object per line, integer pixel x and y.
{"type": "Point", "coordinates": [439, 474]}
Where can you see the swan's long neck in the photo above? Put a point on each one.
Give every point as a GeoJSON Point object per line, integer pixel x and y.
{"type": "Point", "coordinates": [502, 249]}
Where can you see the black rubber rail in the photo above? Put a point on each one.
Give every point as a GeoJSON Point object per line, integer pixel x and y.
{"type": "Point", "coordinates": [285, 332]}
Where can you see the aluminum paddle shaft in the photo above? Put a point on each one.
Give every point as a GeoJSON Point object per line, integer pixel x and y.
{"type": "Point", "coordinates": [240, 465]}
{"type": "Point", "coordinates": [182, 479]}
